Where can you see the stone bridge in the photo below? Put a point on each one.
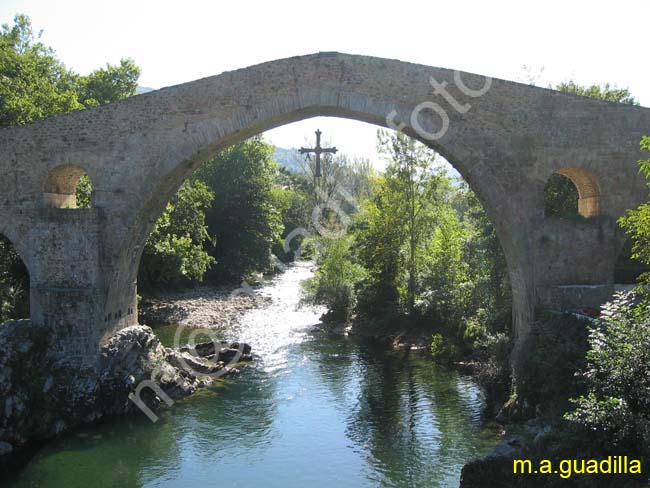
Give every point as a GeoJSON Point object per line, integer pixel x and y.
{"type": "Point", "coordinates": [505, 138]}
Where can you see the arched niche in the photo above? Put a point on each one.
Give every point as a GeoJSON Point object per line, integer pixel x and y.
{"type": "Point", "coordinates": [67, 186]}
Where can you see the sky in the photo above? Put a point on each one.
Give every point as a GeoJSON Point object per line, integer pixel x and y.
{"type": "Point", "coordinates": [174, 42]}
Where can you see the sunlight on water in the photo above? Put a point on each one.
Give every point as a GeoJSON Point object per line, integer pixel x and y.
{"type": "Point", "coordinates": [315, 410]}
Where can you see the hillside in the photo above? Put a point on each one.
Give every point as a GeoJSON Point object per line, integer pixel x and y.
{"type": "Point", "coordinates": [289, 158]}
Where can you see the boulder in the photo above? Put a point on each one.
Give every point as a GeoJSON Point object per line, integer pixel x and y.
{"type": "Point", "coordinates": [44, 391]}
{"type": "Point", "coordinates": [495, 467]}
{"type": "Point", "coordinates": [220, 351]}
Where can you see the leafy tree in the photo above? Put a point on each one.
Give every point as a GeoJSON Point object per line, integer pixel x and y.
{"type": "Point", "coordinates": [379, 239]}
{"type": "Point", "coordinates": [244, 218]}
{"type": "Point", "coordinates": [109, 84]}
{"type": "Point", "coordinates": [295, 209]}
{"type": "Point", "coordinates": [601, 92]}
{"type": "Point", "coordinates": [616, 405]}
{"type": "Point", "coordinates": [445, 271]}
{"type": "Point", "coordinates": [335, 280]}
{"type": "Point", "coordinates": [411, 177]}
{"type": "Point", "coordinates": [616, 409]}
{"type": "Point", "coordinates": [637, 221]}
{"type": "Point", "coordinates": [484, 256]}
{"type": "Point", "coordinates": [33, 83]}
{"type": "Point", "coordinates": [174, 253]}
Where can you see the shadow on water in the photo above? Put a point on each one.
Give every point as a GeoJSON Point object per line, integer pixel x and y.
{"type": "Point", "coordinates": [415, 422]}
{"type": "Point", "coordinates": [315, 410]}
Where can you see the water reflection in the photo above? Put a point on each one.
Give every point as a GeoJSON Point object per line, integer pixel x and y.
{"type": "Point", "coordinates": [317, 410]}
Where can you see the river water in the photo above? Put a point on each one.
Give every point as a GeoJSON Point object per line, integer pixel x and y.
{"type": "Point", "coordinates": [315, 410]}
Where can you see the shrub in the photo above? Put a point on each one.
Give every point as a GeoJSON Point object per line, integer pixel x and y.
{"type": "Point", "coordinates": [174, 254]}
{"type": "Point", "coordinates": [617, 405]}
{"type": "Point", "coordinates": [334, 282]}
{"type": "Point", "coordinates": [494, 372]}
{"type": "Point", "coordinates": [442, 350]}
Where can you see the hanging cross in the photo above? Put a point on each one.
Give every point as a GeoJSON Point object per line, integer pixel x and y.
{"type": "Point", "coordinates": [318, 150]}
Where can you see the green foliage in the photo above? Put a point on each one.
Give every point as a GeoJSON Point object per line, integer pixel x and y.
{"type": "Point", "coordinates": [445, 271]}
{"type": "Point", "coordinates": [14, 283]}
{"type": "Point", "coordinates": [33, 82]}
{"type": "Point", "coordinates": [560, 197]}
{"type": "Point", "coordinates": [494, 372]}
{"type": "Point", "coordinates": [379, 237]}
{"type": "Point", "coordinates": [443, 351]}
{"type": "Point", "coordinates": [615, 409]}
{"type": "Point", "coordinates": [412, 179]}
{"type": "Point", "coordinates": [84, 192]}
{"type": "Point", "coordinates": [174, 253]}
{"type": "Point", "coordinates": [490, 292]}
{"type": "Point", "coordinates": [109, 84]}
{"type": "Point", "coordinates": [423, 247]}
{"type": "Point", "coordinates": [335, 280]}
{"type": "Point", "coordinates": [244, 218]}
{"type": "Point", "coordinates": [292, 198]}
{"type": "Point", "coordinates": [637, 221]}
{"type": "Point", "coordinates": [617, 405]}
{"type": "Point", "coordinates": [601, 92]}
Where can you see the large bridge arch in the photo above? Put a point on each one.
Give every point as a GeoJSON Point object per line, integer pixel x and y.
{"type": "Point", "coordinates": [506, 143]}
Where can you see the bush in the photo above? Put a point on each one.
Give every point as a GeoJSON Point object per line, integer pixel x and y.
{"type": "Point", "coordinates": [243, 219]}
{"type": "Point", "coordinates": [333, 284]}
{"type": "Point", "coordinates": [617, 405]}
{"type": "Point", "coordinates": [174, 254]}
{"type": "Point", "coordinates": [494, 372]}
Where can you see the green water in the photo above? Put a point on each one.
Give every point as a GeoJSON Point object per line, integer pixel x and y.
{"type": "Point", "coordinates": [315, 410]}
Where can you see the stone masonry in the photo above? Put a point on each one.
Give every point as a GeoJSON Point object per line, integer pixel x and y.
{"type": "Point", "coordinates": [83, 262]}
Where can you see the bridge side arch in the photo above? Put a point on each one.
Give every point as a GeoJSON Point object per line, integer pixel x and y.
{"type": "Point", "coordinates": [588, 188]}
{"type": "Point", "coordinates": [488, 189]}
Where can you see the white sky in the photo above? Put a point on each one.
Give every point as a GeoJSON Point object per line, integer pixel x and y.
{"type": "Point", "coordinates": [588, 41]}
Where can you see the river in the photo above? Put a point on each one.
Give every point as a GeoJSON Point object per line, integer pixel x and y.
{"type": "Point", "coordinates": [314, 410]}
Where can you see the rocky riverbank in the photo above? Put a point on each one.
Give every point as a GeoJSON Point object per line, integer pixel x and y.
{"type": "Point", "coordinates": [202, 307]}
{"type": "Point", "coordinates": [43, 395]}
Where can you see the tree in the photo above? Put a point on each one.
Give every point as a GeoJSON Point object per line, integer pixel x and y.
{"type": "Point", "coordinates": [243, 219]}
{"type": "Point", "coordinates": [445, 271]}
{"type": "Point", "coordinates": [600, 92]}
{"type": "Point", "coordinates": [616, 408]}
{"type": "Point", "coordinates": [295, 207]}
{"type": "Point", "coordinates": [109, 84]}
{"type": "Point", "coordinates": [637, 221]}
{"type": "Point", "coordinates": [33, 83]}
{"type": "Point", "coordinates": [379, 237]}
{"type": "Point", "coordinates": [84, 192]}
{"type": "Point", "coordinates": [335, 281]}
{"type": "Point", "coordinates": [411, 176]}
{"type": "Point", "coordinates": [174, 253]}
{"type": "Point", "coordinates": [486, 262]}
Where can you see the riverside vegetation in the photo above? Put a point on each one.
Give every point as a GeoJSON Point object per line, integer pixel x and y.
{"type": "Point", "coordinates": [419, 261]}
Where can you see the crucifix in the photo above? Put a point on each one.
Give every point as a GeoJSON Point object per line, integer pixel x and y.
{"type": "Point", "coordinates": [318, 150]}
